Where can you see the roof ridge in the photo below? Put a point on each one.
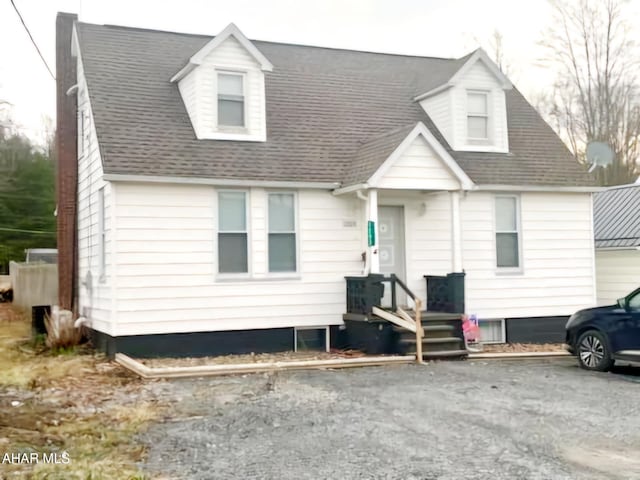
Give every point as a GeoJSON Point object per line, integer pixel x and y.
{"type": "Point", "coordinates": [320, 47]}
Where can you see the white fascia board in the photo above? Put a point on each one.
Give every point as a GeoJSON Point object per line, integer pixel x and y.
{"type": "Point", "coordinates": [616, 249]}
{"type": "Point", "coordinates": [433, 91]}
{"type": "Point", "coordinates": [230, 31]}
{"type": "Point", "coordinates": [351, 188]}
{"type": "Point", "coordinates": [481, 55]}
{"type": "Point", "coordinates": [538, 188]}
{"type": "Point", "coordinates": [184, 71]}
{"type": "Point", "coordinates": [420, 129]}
{"type": "Point", "coordinates": [115, 177]}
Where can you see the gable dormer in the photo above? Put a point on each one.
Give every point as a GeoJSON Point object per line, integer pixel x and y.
{"type": "Point", "coordinates": [223, 88]}
{"type": "Point", "coordinates": [470, 108]}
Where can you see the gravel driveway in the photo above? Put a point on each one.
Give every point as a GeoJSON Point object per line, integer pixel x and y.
{"type": "Point", "coordinates": [447, 421]}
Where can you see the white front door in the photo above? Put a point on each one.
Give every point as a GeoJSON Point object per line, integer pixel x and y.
{"type": "Point", "coordinates": [391, 249]}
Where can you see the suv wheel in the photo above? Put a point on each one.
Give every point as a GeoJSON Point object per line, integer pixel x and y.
{"type": "Point", "coordinates": [593, 351]}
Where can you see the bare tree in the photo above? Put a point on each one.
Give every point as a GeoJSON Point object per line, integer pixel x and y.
{"type": "Point", "coordinates": [596, 96]}
{"type": "Point", "coordinates": [497, 50]}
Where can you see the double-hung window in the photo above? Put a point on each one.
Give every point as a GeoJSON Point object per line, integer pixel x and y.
{"type": "Point", "coordinates": [507, 232]}
{"type": "Point", "coordinates": [477, 117]}
{"type": "Point", "coordinates": [232, 232]}
{"type": "Point", "coordinates": [231, 100]}
{"type": "Point", "coordinates": [282, 233]}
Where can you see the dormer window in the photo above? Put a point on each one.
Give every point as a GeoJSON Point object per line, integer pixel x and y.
{"type": "Point", "coordinates": [231, 100]}
{"type": "Point", "coordinates": [223, 89]}
{"type": "Point", "coordinates": [478, 117]}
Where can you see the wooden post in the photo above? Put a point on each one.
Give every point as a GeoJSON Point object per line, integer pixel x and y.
{"type": "Point", "coordinates": [419, 331]}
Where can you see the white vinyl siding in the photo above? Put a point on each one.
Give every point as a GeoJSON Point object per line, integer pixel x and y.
{"type": "Point", "coordinates": [440, 109]}
{"type": "Point", "coordinates": [96, 224]}
{"type": "Point", "coordinates": [199, 93]}
{"type": "Point", "coordinates": [167, 243]}
{"type": "Point", "coordinates": [282, 242]}
{"type": "Point", "coordinates": [479, 79]}
{"type": "Point", "coordinates": [101, 234]}
{"type": "Point", "coordinates": [556, 252]}
{"type": "Point", "coordinates": [617, 274]}
{"type": "Point", "coordinates": [507, 225]}
{"type": "Point", "coordinates": [427, 220]}
{"type": "Point", "coordinates": [419, 167]}
{"type": "Point", "coordinates": [81, 127]}
{"type": "Point", "coordinates": [233, 250]}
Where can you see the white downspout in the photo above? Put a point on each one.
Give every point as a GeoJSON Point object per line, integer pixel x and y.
{"type": "Point", "coordinates": [456, 233]}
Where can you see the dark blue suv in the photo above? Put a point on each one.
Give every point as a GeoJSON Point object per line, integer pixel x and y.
{"type": "Point", "coordinates": [600, 336]}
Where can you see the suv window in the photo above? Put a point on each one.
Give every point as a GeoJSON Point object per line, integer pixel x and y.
{"type": "Point", "coordinates": [634, 302]}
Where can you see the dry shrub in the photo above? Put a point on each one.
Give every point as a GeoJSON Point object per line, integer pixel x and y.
{"type": "Point", "coordinates": [61, 330]}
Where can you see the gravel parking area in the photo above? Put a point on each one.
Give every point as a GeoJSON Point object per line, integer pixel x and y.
{"type": "Point", "coordinates": [538, 419]}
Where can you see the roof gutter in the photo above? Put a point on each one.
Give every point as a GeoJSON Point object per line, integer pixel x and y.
{"type": "Point", "coordinates": [538, 188]}
{"type": "Point", "coordinates": [223, 182]}
{"type": "Point", "coordinates": [614, 249]}
{"type": "Point", "coordinates": [351, 188]}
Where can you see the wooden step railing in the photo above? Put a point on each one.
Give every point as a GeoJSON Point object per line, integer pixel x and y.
{"type": "Point", "coordinates": [395, 282]}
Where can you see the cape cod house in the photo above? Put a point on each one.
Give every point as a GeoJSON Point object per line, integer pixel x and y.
{"type": "Point", "coordinates": [226, 187]}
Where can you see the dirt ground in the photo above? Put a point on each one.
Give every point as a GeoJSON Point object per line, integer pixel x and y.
{"type": "Point", "coordinates": [334, 354]}
{"type": "Point", "coordinates": [523, 347]}
{"type": "Point", "coordinates": [70, 401]}
{"type": "Point", "coordinates": [249, 358]}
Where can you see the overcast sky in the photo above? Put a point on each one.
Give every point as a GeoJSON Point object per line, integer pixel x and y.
{"type": "Point", "coordinates": [442, 28]}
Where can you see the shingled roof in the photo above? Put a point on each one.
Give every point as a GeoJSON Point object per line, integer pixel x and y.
{"type": "Point", "coordinates": [327, 110]}
{"type": "Point", "coordinates": [616, 215]}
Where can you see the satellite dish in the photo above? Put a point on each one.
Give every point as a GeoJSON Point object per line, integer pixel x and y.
{"type": "Point", "coordinates": [599, 154]}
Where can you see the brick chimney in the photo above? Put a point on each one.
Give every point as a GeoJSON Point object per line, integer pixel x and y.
{"type": "Point", "coordinates": [67, 157]}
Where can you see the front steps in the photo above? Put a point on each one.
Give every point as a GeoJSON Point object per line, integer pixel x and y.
{"type": "Point", "coordinates": [443, 336]}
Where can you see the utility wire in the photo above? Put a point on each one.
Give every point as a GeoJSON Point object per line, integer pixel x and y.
{"type": "Point", "coordinates": [32, 40]}
{"type": "Point", "coordinates": [19, 230]}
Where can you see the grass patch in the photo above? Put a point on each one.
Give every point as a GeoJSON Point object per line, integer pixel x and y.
{"type": "Point", "coordinates": [68, 400]}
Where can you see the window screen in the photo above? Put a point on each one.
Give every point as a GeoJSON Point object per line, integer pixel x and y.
{"type": "Point", "coordinates": [230, 100]}
{"type": "Point", "coordinates": [507, 232]}
{"type": "Point", "coordinates": [232, 232]}
{"type": "Point", "coordinates": [282, 233]}
{"type": "Point", "coordinates": [477, 116]}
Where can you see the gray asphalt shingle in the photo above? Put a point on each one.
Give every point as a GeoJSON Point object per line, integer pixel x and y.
{"type": "Point", "coordinates": [325, 109]}
{"type": "Point", "coordinates": [616, 216]}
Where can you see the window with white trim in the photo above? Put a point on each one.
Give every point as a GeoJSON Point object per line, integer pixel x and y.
{"type": "Point", "coordinates": [232, 232]}
{"type": "Point", "coordinates": [478, 117]}
{"type": "Point", "coordinates": [507, 231]}
{"type": "Point", "coordinates": [311, 339]}
{"type": "Point", "coordinates": [231, 100]}
{"type": "Point", "coordinates": [492, 331]}
{"type": "Point", "coordinates": [102, 237]}
{"type": "Point", "coordinates": [282, 232]}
